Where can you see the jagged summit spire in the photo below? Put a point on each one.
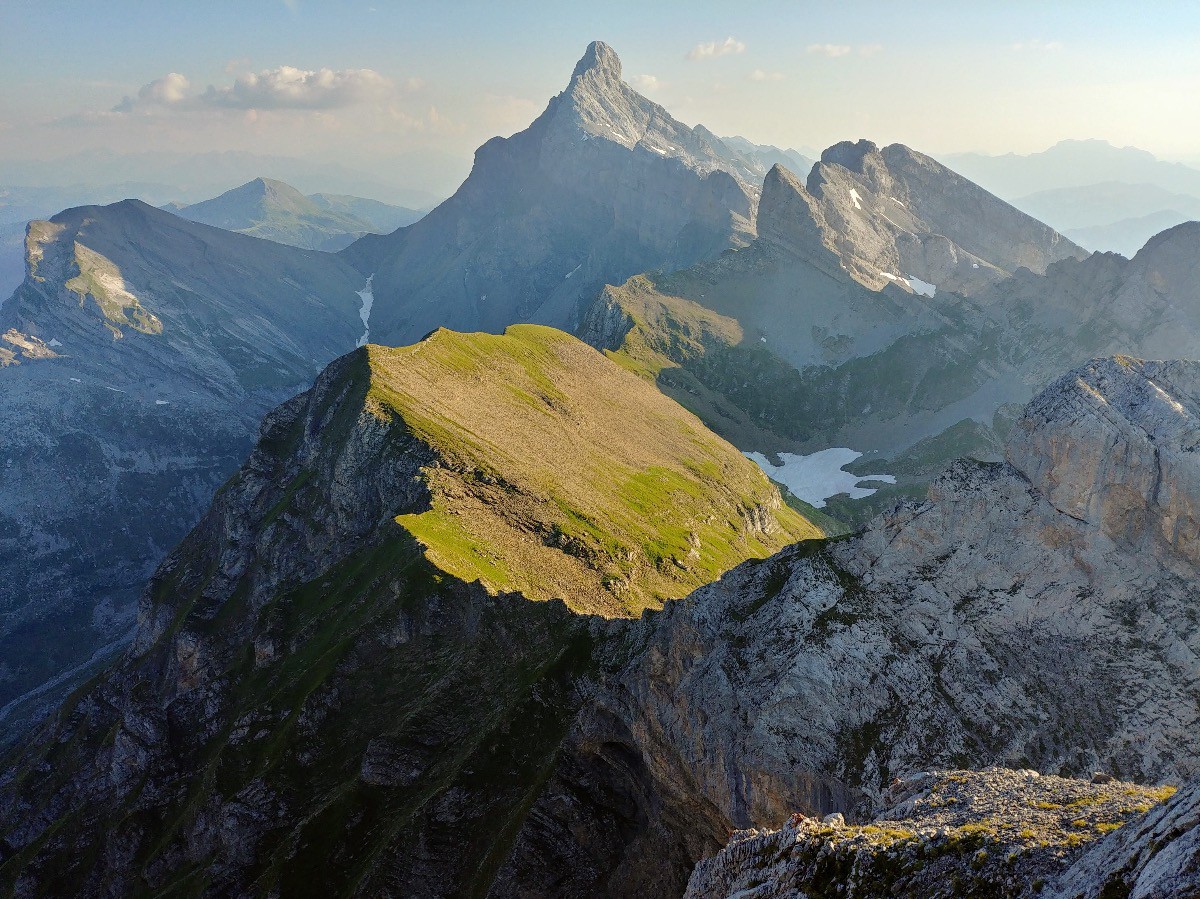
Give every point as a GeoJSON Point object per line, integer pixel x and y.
{"type": "Point", "coordinates": [601, 59]}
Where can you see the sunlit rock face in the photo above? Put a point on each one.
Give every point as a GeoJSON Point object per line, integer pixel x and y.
{"type": "Point", "coordinates": [1114, 445]}
{"type": "Point", "coordinates": [896, 216]}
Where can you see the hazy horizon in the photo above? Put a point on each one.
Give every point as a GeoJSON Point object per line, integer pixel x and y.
{"type": "Point", "coordinates": [407, 94]}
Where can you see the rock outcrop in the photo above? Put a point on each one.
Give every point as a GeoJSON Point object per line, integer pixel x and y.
{"type": "Point", "coordinates": [992, 833]}
{"type": "Point", "coordinates": [1155, 857]}
{"type": "Point", "coordinates": [602, 185]}
{"type": "Point", "coordinates": [1113, 445]}
{"type": "Point", "coordinates": [895, 215]}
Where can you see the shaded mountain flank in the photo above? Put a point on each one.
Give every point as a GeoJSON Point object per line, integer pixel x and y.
{"type": "Point", "coordinates": [136, 361]}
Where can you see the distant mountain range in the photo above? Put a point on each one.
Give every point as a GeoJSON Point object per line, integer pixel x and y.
{"type": "Point", "coordinates": [263, 207]}
{"type": "Point", "coordinates": [1073, 163]}
{"type": "Point", "coordinates": [1103, 197]}
{"type": "Point", "coordinates": [766, 155]}
{"type": "Point", "coordinates": [1112, 215]}
{"type": "Point", "coordinates": [277, 211]}
{"type": "Point", "coordinates": [195, 176]}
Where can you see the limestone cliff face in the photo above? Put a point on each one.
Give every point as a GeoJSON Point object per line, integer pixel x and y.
{"type": "Point", "coordinates": [1113, 444]}
{"type": "Point", "coordinates": [602, 185]}
{"type": "Point", "coordinates": [982, 626]}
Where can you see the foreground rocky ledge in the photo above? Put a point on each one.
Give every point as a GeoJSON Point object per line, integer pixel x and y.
{"type": "Point", "coordinates": [994, 832]}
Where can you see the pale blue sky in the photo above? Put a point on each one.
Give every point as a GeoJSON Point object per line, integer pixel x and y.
{"type": "Point", "coordinates": [443, 77]}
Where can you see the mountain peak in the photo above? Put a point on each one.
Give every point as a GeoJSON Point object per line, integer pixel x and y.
{"type": "Point", "coordinates": [600, 59]}
{"type": "Point", "coordinates": [850, 154]}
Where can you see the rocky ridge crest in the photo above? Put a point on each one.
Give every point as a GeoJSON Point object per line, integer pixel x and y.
{"type": "Point", "coordinates": [945, 834]}
{"type": "Point", "coordinates": [897, 216]}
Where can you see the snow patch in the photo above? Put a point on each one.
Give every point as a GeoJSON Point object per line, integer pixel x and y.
{"type": "Point", "coordinates": [54, 341]}
{"type": "Point", "coordinates": [816, 477]}
{"type": "Point", "coordinates": [573, 271]}
{"type": "Point", "coordinates": [897, 202]}
{"type": "Point", "coordinates": [854, 195]}
{"type": "Point", "coordinates": [77, 381]}
{"type": "Point", "coordinates": [161, 403]}
{"type": "Point", "coordinates": [922, 288]}
{"type": "Point", "coordinates": [367, 295]}
{"type": "Point", "coordinates": [889, 276]}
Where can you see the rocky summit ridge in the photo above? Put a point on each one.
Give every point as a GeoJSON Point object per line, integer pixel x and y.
{"type": "Point", "coordinates": [896, 215]}
{"type": "Point", "coordinates": [602, 185]}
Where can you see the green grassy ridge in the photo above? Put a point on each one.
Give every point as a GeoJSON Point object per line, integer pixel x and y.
{"type": "Point", "coordinates": [563, 476]}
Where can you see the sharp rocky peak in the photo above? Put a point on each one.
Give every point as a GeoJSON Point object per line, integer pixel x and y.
{"type": "Point", "coordinates": [600, 61]}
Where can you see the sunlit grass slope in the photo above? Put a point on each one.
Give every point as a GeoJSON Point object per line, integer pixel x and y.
{"type": "Point", "coordinates": [560, 474]}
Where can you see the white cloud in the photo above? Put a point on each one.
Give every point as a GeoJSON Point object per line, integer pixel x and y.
{"type": "Point", "coordinates": [646, 82]}
{"type": "Point", "coordinates": [713, 49]}
{"type": "Point", "coordinates": [169, 90]}
{"type": "Point", "coordinates": [1036, 45]}
{"type": "Point", "coordinates": [283, 88]}
{"type": "Point", "coordinates": [290, 88]}
{"type": "Point", "coordinates": [830, 50]}
{"type": "Point", "coordinates": [870, 49]}
{"type": "Point", "coordinates": [760, 75]}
